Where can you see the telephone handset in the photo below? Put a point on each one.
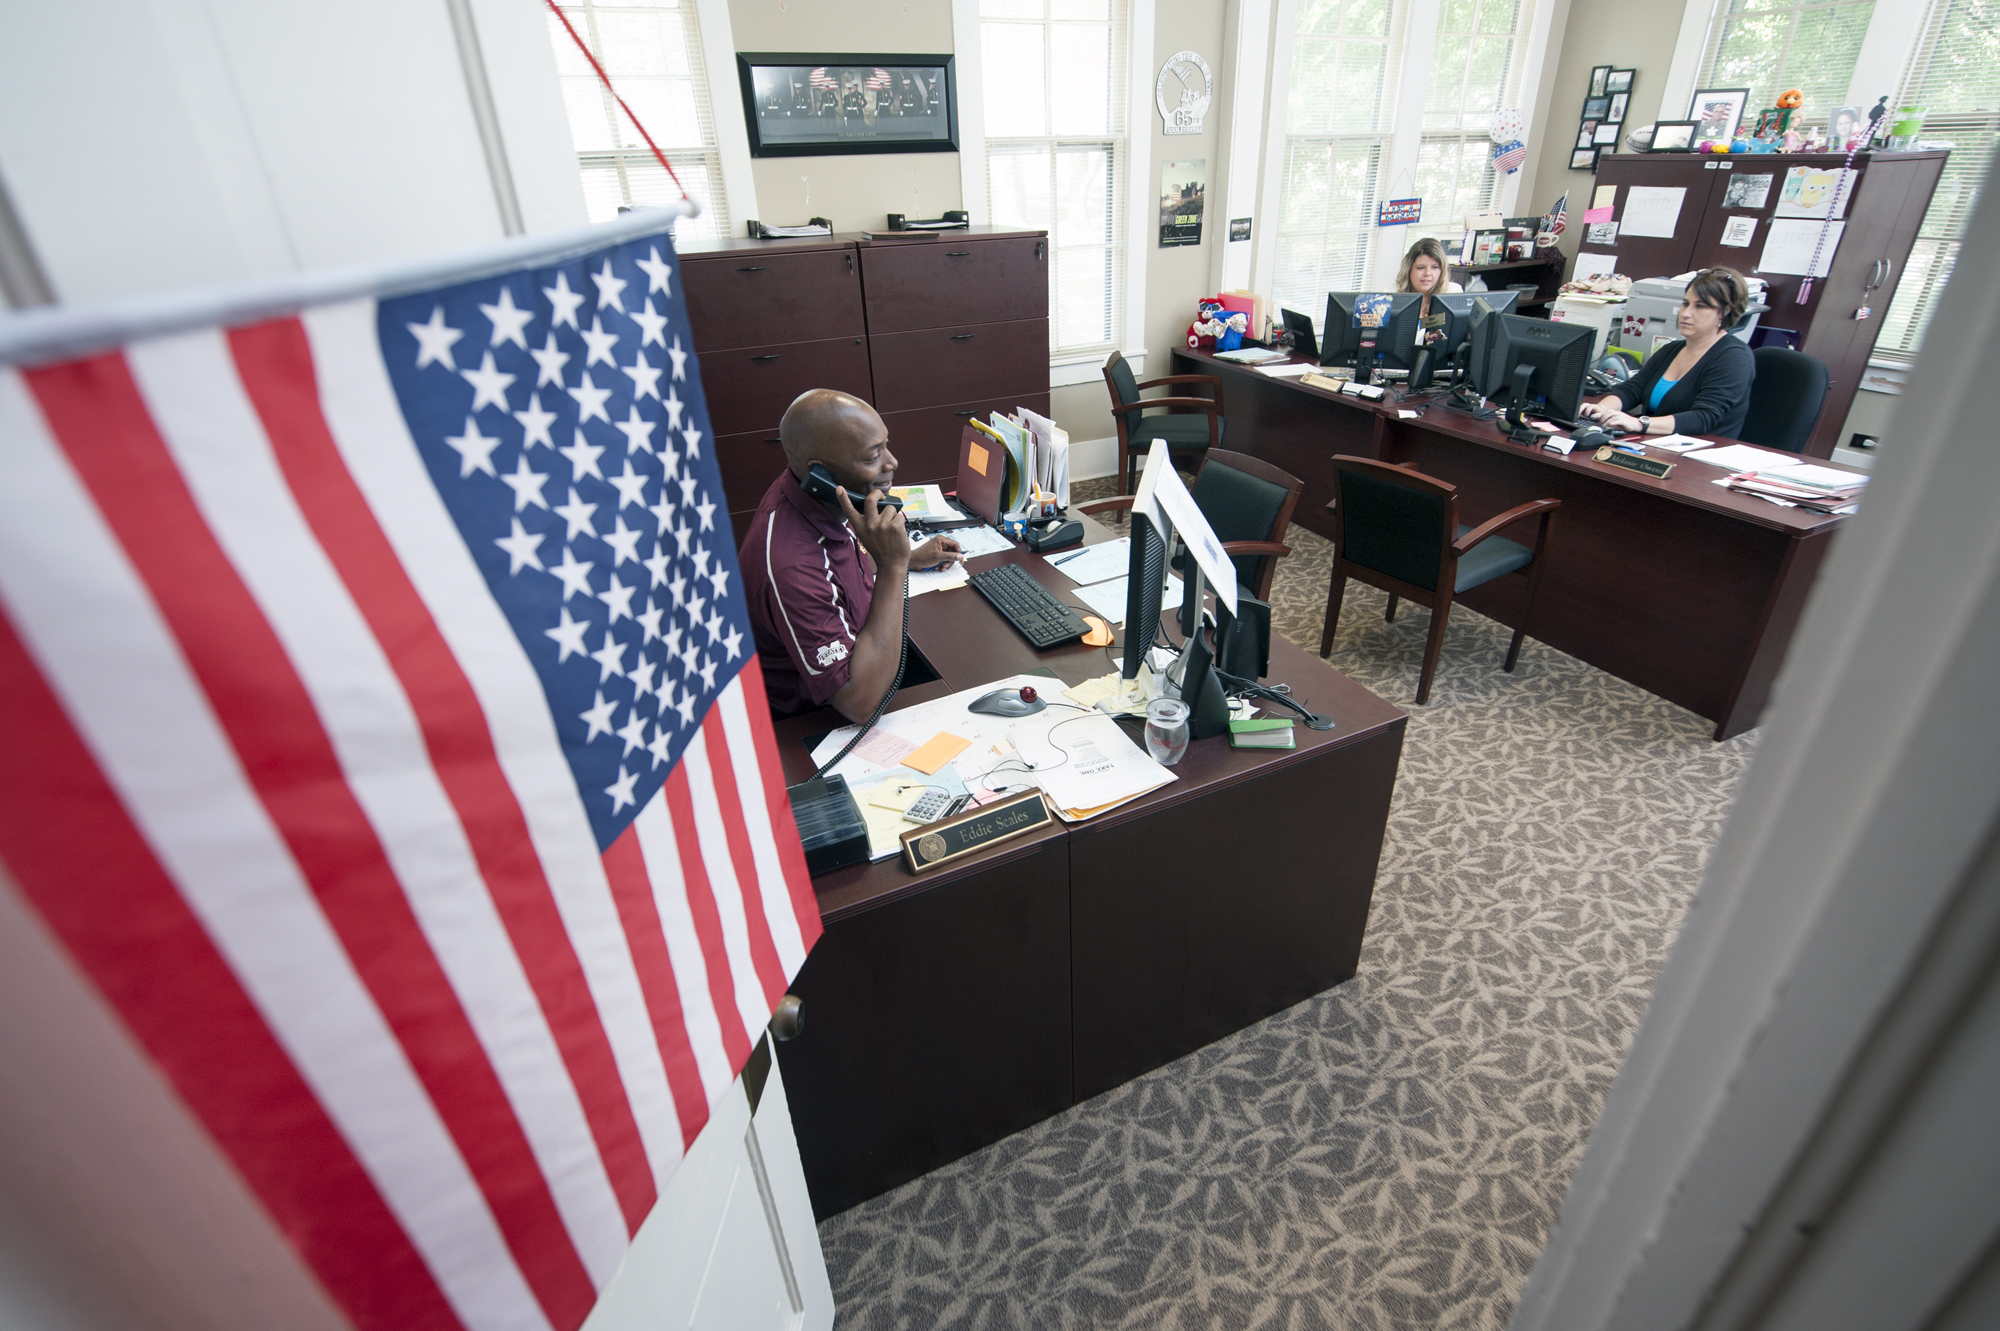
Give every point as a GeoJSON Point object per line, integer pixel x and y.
{"type": "Point", "coordinates": [819, 483]}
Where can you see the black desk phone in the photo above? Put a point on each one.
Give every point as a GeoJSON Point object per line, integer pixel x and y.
{"type": "Point", "coordinates": [819, 483]}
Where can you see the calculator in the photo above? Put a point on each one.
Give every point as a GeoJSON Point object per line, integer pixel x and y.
{"type": "Point", "coordinates": [929, 807]}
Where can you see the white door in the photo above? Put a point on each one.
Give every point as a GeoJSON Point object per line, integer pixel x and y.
{"type": "Point", "coordinates": [730, 1246]}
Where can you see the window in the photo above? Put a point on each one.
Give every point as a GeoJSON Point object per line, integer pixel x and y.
{"type": "Point", "coordinates": [1475, 70]}
{"type": "Point", "coordinates": [1769, 46]}
{"type": "Point", "coordinates": [652, 51]}
{"type": "Point", "coordinates": [1054, 75]}
{"type": "Point", "coordinates": [1955, 75]}
{"type": "Point", "coordinates": [1339, 112]}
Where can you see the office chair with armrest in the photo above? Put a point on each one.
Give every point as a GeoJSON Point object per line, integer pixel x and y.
{"type": "Point", "coordinates": [1785, 399]}
{"type": "Point", "coordinates": [1249, 503]}
{"type": "Point", "coordinates": [1398, 530]}
{"type": "Point", "coordinates": [1184, 432]}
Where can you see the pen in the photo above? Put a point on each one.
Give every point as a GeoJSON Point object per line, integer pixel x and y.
{"type": "Point", "coordinates": [1066, 558]}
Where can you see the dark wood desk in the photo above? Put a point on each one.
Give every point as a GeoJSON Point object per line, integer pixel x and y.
{"type": "Point", "coordinates": [946, 1011]}
{"type": "Point", "coordinates": [1680, 586]}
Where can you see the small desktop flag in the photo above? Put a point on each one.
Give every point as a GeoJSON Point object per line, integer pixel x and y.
{"type": "Point", "coordinates": [1553, 223]}
{"type": "Point", "coordinates": [387, 746]}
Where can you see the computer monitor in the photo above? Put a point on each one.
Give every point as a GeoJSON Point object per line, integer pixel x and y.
{"type": "Point", "coordinates": [1153, 529]}
{"type": "Point", "coordinates": [1300, 326]}
{"type": "Point", "coordinates": [1535, 365]}
{"type": "Point", "coordinates": [1391, 339]}
{"type": "Point", "coordinates": [1462, 310]}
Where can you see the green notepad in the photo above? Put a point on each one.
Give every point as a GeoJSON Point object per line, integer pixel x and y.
{"type": "Point", "coordinates": [1262, 733]}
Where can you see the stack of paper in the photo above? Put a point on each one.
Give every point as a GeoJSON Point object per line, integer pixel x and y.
{"type": "Point", "coordinates": [1086, 765]}
{"type": "Point", "coordinates": [1785, 480]}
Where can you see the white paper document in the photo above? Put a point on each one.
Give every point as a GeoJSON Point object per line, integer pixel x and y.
{"type": "Point", "coordinates": [1651, 210]}
{"type": "Point", "coordinates": [980, 540]}
{"type": "Point", "coordinates": [938, 580]}
{"type": "Point", "coordinates": [901, 731]}
{"type": "Point", "coordinates": [1289, 371]}
{"type": "Point", "coordinates": [1594, 265]}
{"type": "Point", "coordinates": [1742, 457]}
{"type": "Point", "coordinates": [1084, 764]}
{"type": "Point", "coordinates": [1095, 563]}
{"type": "Point", "coordinates": [1738, 232]}
{"type": "Point", "coordinates": [1107, 599]}
{"type": "Point", "coordinates": [1788, 247]}
{"type": "Point", "coordinates": [924, 503]}
{"type": "Point", "coordinates": [1678, 443]}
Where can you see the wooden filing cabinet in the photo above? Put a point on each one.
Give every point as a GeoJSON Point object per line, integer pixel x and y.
{"type": "Point", "coordinates": [932, 331]}
{"type": "Point", "coordinates": [958, 327]}
{"type": "Point", "coordinates": [1883, 213]}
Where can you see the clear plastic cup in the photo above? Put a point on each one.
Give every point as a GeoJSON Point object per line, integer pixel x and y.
{"type": "Point", "coordinates": [1166, 730]}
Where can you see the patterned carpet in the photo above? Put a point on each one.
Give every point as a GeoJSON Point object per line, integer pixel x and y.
{"type": "Point", "coordinates": [1392, 1152]}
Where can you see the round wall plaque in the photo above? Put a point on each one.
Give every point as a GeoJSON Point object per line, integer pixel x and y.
{"type": "Point", "coordinates": [1184, 90]}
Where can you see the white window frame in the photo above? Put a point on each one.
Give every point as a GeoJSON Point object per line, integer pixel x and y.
{"type": "Point", "coordinates": [725, 109]}
{"type": "Point", "coordinates": [1139, 205]}
{"type": "Point", "coordinates": [1405, 137]}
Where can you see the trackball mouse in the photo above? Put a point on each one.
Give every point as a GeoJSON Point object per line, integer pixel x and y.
{"type": "Point", "coordinates": [1008, 702]}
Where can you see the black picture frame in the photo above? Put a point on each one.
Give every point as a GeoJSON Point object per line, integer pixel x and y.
{"type": "Point", "coordinates": [1600, 78]}
{"type": "Point", "coordinates": [1583, 159]}
{"type": "Point", "coordinates": [801, 104]}
{"type": "Point", "coordinates": [1596, 108]}
{"type": "Point", "coordinates": [1701, 104]}
{"type": "Point", "coordinates": [1586, 134]}
{"type": "Point", "coordinates": [1665, 141]}
{"type": "Point", "coordinates": [1620, 80]}
{"type": "Point", "coordinates": [1619, 100]}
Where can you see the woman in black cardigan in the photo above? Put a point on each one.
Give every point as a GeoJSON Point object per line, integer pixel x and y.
{"type": "Point", "coordinates": [1700, 385]}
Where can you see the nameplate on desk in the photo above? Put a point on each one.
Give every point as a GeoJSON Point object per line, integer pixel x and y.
{"type": "Point", "coordinates": [948, 839]}
{"type": "Point", "coordinates": [1326, 383]}
{"type": "Point", "coordinates": [1653, 467]}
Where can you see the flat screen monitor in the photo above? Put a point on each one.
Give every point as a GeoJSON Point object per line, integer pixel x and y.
{"type": "Point", "coordinates": [1390, 335]}
{"type": "Point", "coordinates": [1146, 572]}
{"type": "Point", "coordinates": [1537, 365]}
{"type": "Point", "coordinates": [1300, 326]}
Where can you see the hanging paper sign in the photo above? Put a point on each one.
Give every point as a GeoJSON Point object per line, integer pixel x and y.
{"type": "Point", "coordinates": [1401, 212]}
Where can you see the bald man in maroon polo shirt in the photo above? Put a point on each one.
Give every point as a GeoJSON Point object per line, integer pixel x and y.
{"type": "Point", "coordinates": [829, 627]}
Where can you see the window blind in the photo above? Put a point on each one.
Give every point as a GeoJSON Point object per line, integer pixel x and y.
{"type": "Point", "coordinates": [1054, 74]}
{"type": "Point", "coordinates": [653, 54]}
{"type": "Point", "coordinates": [1346, 59]}
{"type": "Point", "coordinates": [1475, 70]}
{"type": "Point", "coordinates": [1770, 46]}
{"type": "Point", "coordinates": [1954, 75]}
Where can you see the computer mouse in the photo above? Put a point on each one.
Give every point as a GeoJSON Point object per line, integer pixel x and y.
{"type": "Point", "coordinates": [1008, 702]}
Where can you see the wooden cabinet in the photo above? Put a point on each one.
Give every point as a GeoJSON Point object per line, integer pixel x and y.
{"type": "Point", "coordinates": [1883, 213]}
{"type": "Point", "coordinates": [932, 330]}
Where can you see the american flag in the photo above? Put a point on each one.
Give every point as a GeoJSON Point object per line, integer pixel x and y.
{"type": "Point", "coordinates": [388, 748]}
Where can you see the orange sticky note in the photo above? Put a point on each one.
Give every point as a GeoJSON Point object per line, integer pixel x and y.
{"type": "Point", "coordinates": [975, 457]}
{"type": "Point", "coordinates": [938, 750]}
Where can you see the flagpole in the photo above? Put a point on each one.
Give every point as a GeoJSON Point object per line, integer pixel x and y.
{"type": "Point", "coordinates": [58, 332]}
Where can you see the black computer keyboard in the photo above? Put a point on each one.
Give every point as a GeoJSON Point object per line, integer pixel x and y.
{"type": "Point", "coordinates": [1029, 606]}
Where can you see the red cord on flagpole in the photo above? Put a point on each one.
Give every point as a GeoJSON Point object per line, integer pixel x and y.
{"type": "Point", "coordinates": [605, 79]}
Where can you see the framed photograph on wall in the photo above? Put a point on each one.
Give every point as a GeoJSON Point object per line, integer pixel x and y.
{"type": "Point", "coordinates": [1616, 115]}
{"type": "Point", "coordinates": [1674, 136]}
{"type": "Point", "coordinates": [1607, 133]}
{"type": "Point", "coordinates": [1600, 79]}
{"type": "Point", "coordinates": [1586, 134]}
{"type": "Point", "coordinates": [1583, 159]}
{"type": "Point", "coordinates": [1596, 108]}
{"type": "Point", "coordinates": [1716, 112]}
{"type": "Point", "coordinates": [1620, 81]}
{"type": "Point", "coordinates": [801, 105]}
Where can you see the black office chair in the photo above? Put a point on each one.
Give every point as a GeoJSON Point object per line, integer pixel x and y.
{"type": "Point", "coordinates": [1785, 399]}
{"type": "Point", "coordinates": [1248, 503]}
{"type": "Point", "coordinates": [1184, 432]}
{"type": "Point", "coordinates": [1398, 530]}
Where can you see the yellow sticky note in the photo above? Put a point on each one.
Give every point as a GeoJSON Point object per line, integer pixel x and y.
{"type": "Point", "coordinates": [940, 749]}
{"type": "Point", "coordinates": [975, 457]}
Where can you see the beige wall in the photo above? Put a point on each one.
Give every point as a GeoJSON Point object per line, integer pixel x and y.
{"type": "Point", "coordinates": [1636, 37]}
{"type": "Point", "coordinates": [856, 192]}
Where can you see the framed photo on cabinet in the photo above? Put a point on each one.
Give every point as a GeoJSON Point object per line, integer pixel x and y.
{"type": "Point", "coordinates": [1674, 136]}
{"type": "Point", "coordinates": [1716, 112]}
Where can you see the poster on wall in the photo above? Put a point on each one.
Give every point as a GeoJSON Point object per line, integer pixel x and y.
{"type": "Point", "coordinates": [822, 105]}
{"type": "Point", "coordinates": [1182, 187]}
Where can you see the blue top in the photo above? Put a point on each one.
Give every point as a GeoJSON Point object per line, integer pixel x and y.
{"type": "Point", "coordinates": [1712, 398]}
{"type": "Point", "coordinates": [1660, 390]}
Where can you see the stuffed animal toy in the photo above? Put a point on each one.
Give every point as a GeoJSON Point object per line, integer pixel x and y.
{"type": "Point", "coordinates": [1791, 99]}
{"type": "Point", "coordinates": [1234, 327]}
{"type": "Point", "coordinates": [1208, 325]}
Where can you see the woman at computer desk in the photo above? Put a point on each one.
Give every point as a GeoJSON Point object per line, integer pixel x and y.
{"type": "Point", "coordinates": [1698, 385]}
{"type": "Point", "coordinates": [1423, 272]}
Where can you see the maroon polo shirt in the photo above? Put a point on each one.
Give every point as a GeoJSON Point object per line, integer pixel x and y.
{"type": "Point", "coordinates": [809, 589]}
